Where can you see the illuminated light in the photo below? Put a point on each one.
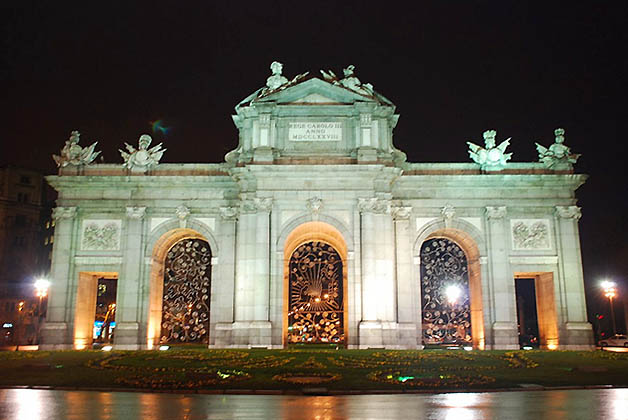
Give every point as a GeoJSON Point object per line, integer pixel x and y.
{"type": "Point", "coordinates": [404, 378]}
{"type": "Point", "coordinates": [149, 344]}
{"type": "Point", "coordinates": [164, 348]}
{"type": "Point", "coordinates": [7, 325]}
{"type": "Point", "coordinates": [468, 348]}
{"type": "Point", "coordinates": [326, 296]}
{"type": "Point", "coordinates": [528, 347]}
{"type": "Point", "coordinates": [552, 346]}
{"type": "Point", "coordinates": [317, 300]}
{"type": "Point", "coordinates": [41, 287]}
{"type": "Point", "coordinates": [107, 348]}
{"type": "Point", "coordinates": [453, 348]}
{"type": "Point", "coordinates": [453, 293]}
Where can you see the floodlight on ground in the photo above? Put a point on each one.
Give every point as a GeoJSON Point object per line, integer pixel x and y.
{"type": "Point", "coordinates": [164, 348]}
{"type": "Point", "coordinates": [107, 348]}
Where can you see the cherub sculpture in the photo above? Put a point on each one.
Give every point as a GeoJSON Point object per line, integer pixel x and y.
{"type": "Point", "coordinates": [142, 158]}
{"type": "Point", "coordinates": [490, 157]}
{"type": "Point", "coordinates": [557, 156]}
{"type": "Point", "coordinates": [75, 155]}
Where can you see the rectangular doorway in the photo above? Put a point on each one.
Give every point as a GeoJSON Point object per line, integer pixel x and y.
{"type": "Point", "coordinates": [105, 319]}
{"type": "Point", "coordinates": [85, 309]}
{"type": "Point", "coordinates": [536, 310]}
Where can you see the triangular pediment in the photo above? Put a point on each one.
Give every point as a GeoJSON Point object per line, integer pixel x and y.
{"type": "Point", "coordinates": [315, 91]}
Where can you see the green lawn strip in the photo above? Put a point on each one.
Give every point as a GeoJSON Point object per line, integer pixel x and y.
{"type": "Point", "coordinates": [297, 368]}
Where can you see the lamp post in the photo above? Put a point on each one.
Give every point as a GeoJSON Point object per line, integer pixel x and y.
{"type": "Point", "coordinates": [41, 291]}
{"type": "Point", "coordinates": [610, 291]}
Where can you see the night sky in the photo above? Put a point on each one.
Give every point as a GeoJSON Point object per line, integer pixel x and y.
{"type": "Point", "coordinates": [454, 69]}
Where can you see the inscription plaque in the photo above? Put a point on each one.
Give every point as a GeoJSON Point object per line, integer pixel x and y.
{"type": "Point", "coordinates": [315, 131]}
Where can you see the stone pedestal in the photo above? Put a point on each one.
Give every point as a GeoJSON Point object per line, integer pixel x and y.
{"type": "Point", "coordinates": [55, 336]}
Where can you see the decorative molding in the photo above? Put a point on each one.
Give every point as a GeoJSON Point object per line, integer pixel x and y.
{"type": "Point", "coordinates": [63, 213]}
{"type": "Point", "coordinates": [401, 212]}
{"type": "Point", "coordinates": [498, 212]}
{"type": "Point", "coordinates": [530, 234]}
{"type": "Point", "coordinates": [97, 260]}
{"type": "Point", "coordinates": [101, 235]}
{"type": "Point", "coordinates": [182, 213]}
{"type": "Point", "coordinates": [569, 212]}
{"type": "Point", "coordinates": [534, 260]}
{"type": "Point", "coordinates": [229, 213]}
{"type": "Point", "coordinates": [374, 205]}
{"type": "Point", "coordinates": [136, 213]}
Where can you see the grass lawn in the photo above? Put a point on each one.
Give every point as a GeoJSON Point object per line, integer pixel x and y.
{"type": "Point", "coordinates": [198, 368]}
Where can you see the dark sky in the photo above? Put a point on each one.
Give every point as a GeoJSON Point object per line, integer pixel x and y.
{"type": "Point", "coordinates": [453, 68]}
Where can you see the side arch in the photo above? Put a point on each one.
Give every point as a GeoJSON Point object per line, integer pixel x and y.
{"type": "Point", "coordinates": [470, 240]}
{"type": "Point", "coordinates": [156, 278]}
{"type": "Point", "coordinates": [173, 225]}
{"type": "Point", "coordinates": [303, 233]}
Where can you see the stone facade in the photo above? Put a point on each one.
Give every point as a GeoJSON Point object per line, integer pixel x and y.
{"type": "Point", "coordinates": [318, 152]}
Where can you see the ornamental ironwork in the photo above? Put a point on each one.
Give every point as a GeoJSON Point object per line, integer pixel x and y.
{"type": "Point", "coordinates": [444, 271]}
{"type": "Point", "coordinates": [185, 310]}
{"type": "Point", "coordinates": [315, 313]}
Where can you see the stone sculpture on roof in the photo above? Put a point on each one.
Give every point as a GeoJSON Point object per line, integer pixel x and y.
{"type": "Point", "coordinates": [142, 158]}
{"type": "Point", "coordinates": [350, 81]}
{"type": "Point", "coordinates": [75, 155]}
{"type": "Point", "coordinates": [557, 156]}
{"type": "Point", "coordinates": [490, 157]}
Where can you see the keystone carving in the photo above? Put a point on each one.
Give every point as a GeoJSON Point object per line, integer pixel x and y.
{"type": "Point", "coordinates": [569, 212]}
{"type": "Point", "coordinates": [63, 213]}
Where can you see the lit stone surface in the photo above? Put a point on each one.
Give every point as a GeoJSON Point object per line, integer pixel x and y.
{"type": "Point", "coordinates": [347, 179]}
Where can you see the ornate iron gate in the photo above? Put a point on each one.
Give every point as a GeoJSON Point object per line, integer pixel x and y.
{"type": "Point", "coordinates": [185, 310]}
{"type": "Point", "coordinates": [315, 311]}
{"type": "Point", "coordinates": [443, 270]}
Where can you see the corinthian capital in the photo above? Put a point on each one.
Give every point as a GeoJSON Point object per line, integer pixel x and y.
{"type": "Point", "coordinates": [228, 213]}
{"type": "Point", "coordinates": [374, 205]}
{"type": "Point", "coordinates": [569, 212]}
{"type": "Point", "coordinates": [496, 212]}
{"type": "Point", "coordinates": [401, 213]}
{"type": "Point", "coordinates": [63, 213]}
{"type": "Point", "coordinates": [135, 212]}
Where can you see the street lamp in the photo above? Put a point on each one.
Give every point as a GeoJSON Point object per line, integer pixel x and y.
{"type": "Point", "coordinates": [41, 290]}
{"type": "Point", "coordinates": [610, 291]}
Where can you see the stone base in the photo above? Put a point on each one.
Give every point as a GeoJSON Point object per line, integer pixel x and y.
{"type": "Point", "coordinates": [126, 336]}
{"type": "Point", "coordinates": [577, 336]}
{"type": "Point", "coordinates": [251, 333]}
{"type": "Point", "coordinates": [389, 335]}
{"type": "Point", "coordinates": [55, 336]}
{"type": "Point", "coordinates": [505, 336]}
{"type": "Point", "coordinates": [367, 155]}
{"type": "Point", "coordinates": [263, 155]}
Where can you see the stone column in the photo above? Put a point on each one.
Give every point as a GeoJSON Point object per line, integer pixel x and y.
{"type": "Point", "coordinates": [408, 288]}
{"type": "Point", "coordinates": [127, 336]}
{"type": "Point", "coordinates": [576, 333]}
{"type": "Point", "coordinates": [56, 333]}
{"type": "Point", "coordinates": [503, 304]}
{"type": "Point", "coordinates": [252, 325]}
{"type": "Point", "coordinates": [378, 327]}
{"type": "Point", "coordinates": [223, 283]}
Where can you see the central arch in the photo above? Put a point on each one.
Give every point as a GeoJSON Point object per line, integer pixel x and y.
{"type": "Point", "coordinates": [320, 248]}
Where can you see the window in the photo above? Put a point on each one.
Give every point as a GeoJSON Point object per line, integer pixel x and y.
{"type": "Point", "coordinates": [22, 197]}
{"type": "Point", "coordinates": [21, 220]}
{"type": "Point", "coordinates": [24, 179]}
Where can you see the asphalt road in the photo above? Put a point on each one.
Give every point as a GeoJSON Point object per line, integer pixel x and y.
{"type": "Point", "coordinates": [29, 404]}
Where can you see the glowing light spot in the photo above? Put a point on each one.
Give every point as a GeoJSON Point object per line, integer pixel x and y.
{"type": "Point", "coordinates": [158, 127]}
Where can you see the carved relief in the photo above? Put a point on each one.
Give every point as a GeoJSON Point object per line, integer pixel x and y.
{"type": "Point", "coordinates": [101, 235]}
{"type": "Point", "coordinates": [75, 155]}
{"type": "Point", "coordinates": [490, 157]}
{"type": "Point", "coordinates": [182, 213]}
{"type": "Point", "coordinates": [530, 234]}
{"type": "Point", "coordinates": [557, 156]}
{"type": "Point", "coordinates": [448, 213]}
{"type": "Point", "coordinates": [401, 213]}
{"type": "Point", "coordinates": [229, 213]}
{"type": "Point", "coordinates": [314, 205]}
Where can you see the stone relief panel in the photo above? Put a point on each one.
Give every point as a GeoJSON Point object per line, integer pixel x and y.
{"type": "Point", "coordinates": [530, 234]}
{"type": "Point", "coordinates": [101, 235]}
